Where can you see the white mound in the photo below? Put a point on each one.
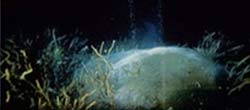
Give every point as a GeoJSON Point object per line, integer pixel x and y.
{"type": "Point", "coordinates": [148, 77]}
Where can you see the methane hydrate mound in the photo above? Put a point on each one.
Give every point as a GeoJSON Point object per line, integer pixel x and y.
{"type": "Point", "coordinates": [146, 78]}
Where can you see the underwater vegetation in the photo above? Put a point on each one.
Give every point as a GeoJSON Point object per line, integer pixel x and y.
{"type": "Point", "coordinates": [68, 73]}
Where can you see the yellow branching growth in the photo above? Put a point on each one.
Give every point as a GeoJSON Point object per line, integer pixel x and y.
{"type": "Point", "coordinates": [65, 101]}
{"type": "Point", "coordinates": [15, 72]}
{"type": "Point", "coordinates": [7, 75]}
{"type": "Point", "coordinates": [43, 91]}
{"type": "Point", "coordinates": [90, 105]}
{"type": "Point", "coordinates": [16, 67]}
{"type": "Point", "coordinates": [102, 80]}
{"type": "Point", "coordinates": [6, 59]}
{"type": "Point", "coordinates": [7, 96]}
{"type": "Point", "coordinates": [245, 82]}
{"type": "Point", "coordinates": [111, 47]}
{"type": "Point", "coordinates": [28, 71]}
{"type": "Point", "coordinates": [239, 70]}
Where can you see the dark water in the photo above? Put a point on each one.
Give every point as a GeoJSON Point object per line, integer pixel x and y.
{"type": "Point", "coordinates": [182, 20]}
